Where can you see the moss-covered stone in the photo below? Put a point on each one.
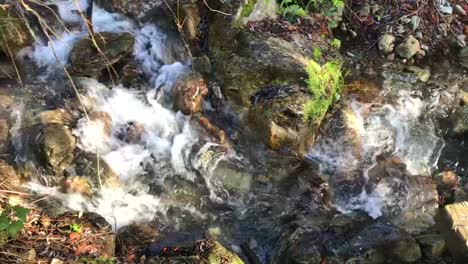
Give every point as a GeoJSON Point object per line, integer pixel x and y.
{"type": "Point", "coordinates": [14, 33]}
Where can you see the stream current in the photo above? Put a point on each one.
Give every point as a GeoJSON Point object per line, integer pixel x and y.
{"type": "Point", "coordinates": [166, 175]}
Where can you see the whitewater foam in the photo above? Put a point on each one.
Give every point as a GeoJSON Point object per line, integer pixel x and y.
{"type": "Point", "coordinates": [400, 128]}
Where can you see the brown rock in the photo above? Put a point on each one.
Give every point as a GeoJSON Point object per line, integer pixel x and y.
{"type": "Point", "coordinates": [448, 180]}
{"type": "Point", "coordinates": [9, 176]}
{"type": "Point", "coordinates": [4, 136]}
{"type": "Point", "coordinates": [189, 93]}
{"type": "Point", "coordinates": [57, 116]}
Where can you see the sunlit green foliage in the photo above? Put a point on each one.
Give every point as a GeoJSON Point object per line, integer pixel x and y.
{"type": "Point", "coordinates": [12, 220]}
{"type": "Point", "coordinates": [291, 9]}
{"type": "Point", "coordinates": [325, 83]}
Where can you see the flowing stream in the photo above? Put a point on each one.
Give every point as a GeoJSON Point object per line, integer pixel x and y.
{"type": "Point", "coordinates": [173, 173]}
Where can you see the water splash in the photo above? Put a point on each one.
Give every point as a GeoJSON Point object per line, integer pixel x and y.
{"type": "Point", "coordinates": [400, 127]}
{"type": "Point", "coordinates": [165, 138]}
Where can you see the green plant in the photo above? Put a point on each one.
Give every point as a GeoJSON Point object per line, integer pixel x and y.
{"type": "Point", "coordinates": [75, 228]}
{"type": "Point", "coordinates": [248, 8]}
{"type": "Point", "coordinates": [12, 220]}
{"type": "Point", "coordinates": [336, 43]}
{"type": "Point", "coordinates": [290, 9]}
{"type": "Point", "coordinates": [325, 83]}
{"type": "Point", "coordinates": [317, 53]}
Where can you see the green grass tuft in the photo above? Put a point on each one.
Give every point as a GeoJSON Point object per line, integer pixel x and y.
{"type": "Point", "coordinates": [325, 83]}
{"type": "Point", "coordinates": [248, 8]}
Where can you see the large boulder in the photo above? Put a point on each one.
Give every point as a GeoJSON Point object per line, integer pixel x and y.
{"type": "Point", "coordinates": [88, 61]}
{"type": "Point", "coordinates": [264, 79]}
{"type": "Point", "coordinates": [256, 61]}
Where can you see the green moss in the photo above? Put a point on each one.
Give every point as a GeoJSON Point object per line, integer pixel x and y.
{"type": "Point", "coordinates": [248, 8]}
{"type": "Point", "coordinates": [325, 83]}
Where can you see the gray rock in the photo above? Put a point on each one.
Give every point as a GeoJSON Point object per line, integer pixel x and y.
{"type": "Point", "coordinates": [405, 251]}
{"type": "Point", "coordinates": [460, 10]}
{"type": "Point", "coordinates": [432, 245]}
{"type": "Point", "coordinates": [415, 21]}
{"type": "Point", "coordinates": [463, 57]}
{"type": "Point", "coordinates": [409, 47]}
{"type": "Point", "coordinates": [461, 40]}
{"type": "Point", "coordinates": [201, 64]}
{"type": "Point", "coordinates": [387, 43]}
{"type": "Point", "coordinates": [445, 9]}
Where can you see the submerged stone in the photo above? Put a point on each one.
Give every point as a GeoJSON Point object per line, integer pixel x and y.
{"type": "Point", "coordinates": [432, 245]}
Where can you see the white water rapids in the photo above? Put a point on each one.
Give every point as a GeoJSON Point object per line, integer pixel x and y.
{"type": "Point", "coordinates": [167, 137]}
{"type": "Point", "coordinates": [401, 126]}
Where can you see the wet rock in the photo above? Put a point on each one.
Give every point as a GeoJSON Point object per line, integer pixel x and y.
{"type": "Point", "coordinates": [370, 257]}
{"type": "Point", "coordinates": [432, 245]}
{"type": "Point", "coordinates": [9, 176]}
{"type": "Point", "coordinates": [302, 246]}
{"type": "Point", "coordinates": [214, 252]}
{"type": "Point", "coordinates": [86, 166]}
{"type": "Point", "coordinates": [276, 116]}
{"type": "Point", "coordinates": [189, 93]}
{"type": "Point", "coordinates": [387, 43]}
{"type": "Point", "coordinates": [132, 8]}
{"type": "Point", "coordinates": [447, 180]}
{"type": "Point", "coordinates": [86, 60]}
{"type": "Point", "coordinates": [57, 144]}
{"type": "Point", "coordinates": [57, 116]}
{"type": "Point", "coordinates": [137, 236]}
{"type": "Point", "coordinates": [4, 136]}
{"type": "Point", "coordinates": [255, 62]}
{"type": "Point", "coordinates": [460, 121]}
{"type": "Point", "coordinates": [7, 69]}
{"type": "Point", "coordinates": [408, 48]}
{"type": "Point", "coordinates": [406, 250]}
{"type": "Point", "coordinates": [346, 223]}
{"type": "Point", "coordinates": [127, 72]}
{"type": "Point", "coordinates": [463, 57]}
{"type": "Point", "coordinates": [423, 74]}
{"type": "Point", "coordinates": [233, 177]}
{"type": "Point", "coordinates": [201, 64]}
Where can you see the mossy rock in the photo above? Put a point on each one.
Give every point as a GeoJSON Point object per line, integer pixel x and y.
{"type": "Point", "coordinates": [215, 253]}
{"type": "Point", "coordinates": [15, 34]}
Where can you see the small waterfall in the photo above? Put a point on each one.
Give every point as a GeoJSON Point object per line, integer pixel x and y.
{"type": "Point", "coordinates": [400, 127]}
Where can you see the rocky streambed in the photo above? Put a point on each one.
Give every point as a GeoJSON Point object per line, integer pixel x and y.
{"type": "Point", "coordinates": [154, 143]}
